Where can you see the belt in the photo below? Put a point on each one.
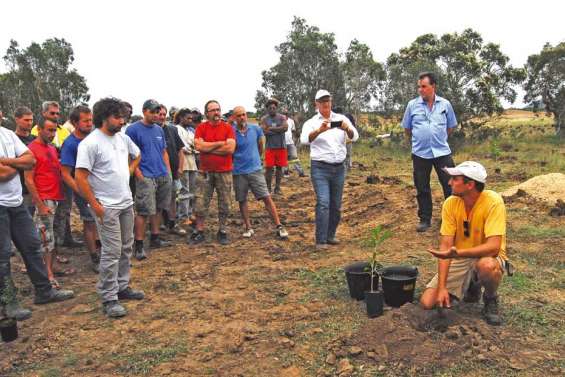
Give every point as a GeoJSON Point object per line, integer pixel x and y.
{"type": "Point", "coordinates": [329, 163]}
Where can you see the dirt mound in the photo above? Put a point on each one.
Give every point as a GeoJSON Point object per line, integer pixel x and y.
{"type": "Point", "coordinates": [547, 188]}
{"type": "Point", "coordinates": [411, 339]}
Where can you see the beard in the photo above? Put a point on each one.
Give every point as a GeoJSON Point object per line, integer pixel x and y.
{"type": "Point", "coordinates": [114, 129]}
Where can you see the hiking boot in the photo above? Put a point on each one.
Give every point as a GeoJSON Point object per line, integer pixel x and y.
{"type": "Point", "coordinates": [196, 237]}
{"type": "Point", "coordinates": [223, 237]}
{"type": "Point", "coordinates": [113, 309]}
{"type": "Point", "coordinates": [278, 191]}
{"type": "Point", "coordinates": [490, 311]}
{"type": "Point", "coordinates": [423, 226]}
{"type": "Point", "coordinates": [332, 241]}
{"type": "Point", "coordinates": [13, 310]}
{"type": "Point", "coordinates": [72, 243]}
{"type": "Point", "coordinates": [281, 232]}
{"type": "Point", "coordinates": [473, 293]}
{"type": "Point", "coordinates": [95, 259]}
{"type": "Point", "coordinates": [248, 233]}
{"type": "Point", "coordinates": [321, 246]}
{"type": "Point", "coordinates": [53, 295]}
{"type": "Point", "coordinates": [159, 242]}
{"type": "Point", "coordinates": [139, 253]}
{"type": "Point", "coordinates": [130, 294]}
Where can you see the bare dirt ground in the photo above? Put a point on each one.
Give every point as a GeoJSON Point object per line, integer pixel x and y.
{"type": "Point", "coordinates": [264, 307]}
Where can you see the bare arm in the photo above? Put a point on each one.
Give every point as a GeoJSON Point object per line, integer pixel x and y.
{"type": "Point", "coordinates": [68, 178]}
{"type": "Point", "coordinates": [167, 161]}
{"type": "Point", "coordinates": [491, 248]}
{"type": "Point", "coordinates": [265, 127]}
{"type": "Point", "coordinates": [81, 177]}
{"type": "Point", "coordinates": [7, 172]}
{"type": "Point", "coordinates": [42, 209]}
{"type": "Point", "coordinates": [25, 161]}
{"type": "Point", "coordinates": [280, 129]}
{"type": "Point", "coordinates": [133, 165]}
{"type": "Point", "coordinates": [205, 146]}
{"type": "Point", "coordinates": [260, 146]}
{"type": "Point", "coordinates": [449, 131]}
{"type": "Point", "coordinates": [314, 134]}
{"type": "Point", "coordinates": [408, 133]}
{"type": "Point", "coordinates": [181, 160]}
{"type": "Point", "coordinates": [228, 147]}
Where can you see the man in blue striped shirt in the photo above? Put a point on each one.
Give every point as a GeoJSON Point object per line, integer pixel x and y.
{"type": "Point", "coordinates": [428, 121]}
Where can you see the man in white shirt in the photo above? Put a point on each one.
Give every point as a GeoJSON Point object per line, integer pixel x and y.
{"type": "Point", "coordinates": [327, 133]}
{"type": "Point", "coordinates": [291, 150]}
{"type": "Point", "coordinates": [106, 159]}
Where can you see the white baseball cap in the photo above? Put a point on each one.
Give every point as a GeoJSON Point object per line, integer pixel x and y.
{"type": "Point", "coordinates": [322, 93]}
{"type": "Point", "coordinates": [469, 169]}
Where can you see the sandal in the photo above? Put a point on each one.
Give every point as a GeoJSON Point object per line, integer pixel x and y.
{"type": "Point", "coordinates": [55, 284]}
{"type": "Point", "coordinates": [67, 272]}
{"type": "Point", "coordinates": [61, 259]}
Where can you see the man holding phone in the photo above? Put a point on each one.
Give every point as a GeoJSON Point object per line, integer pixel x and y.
{"type": "Point", "coordinates": [327, 133]}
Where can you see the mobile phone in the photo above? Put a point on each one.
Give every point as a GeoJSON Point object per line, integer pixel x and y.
{"type": "Point", "coordinates": [335, 124]}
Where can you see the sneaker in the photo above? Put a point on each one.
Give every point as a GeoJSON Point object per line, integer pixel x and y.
{"type": "Point", "coordinates": [223, 237]}
{"type": "Point", "coordinates": [423, 226]}
{"type": "Point", "coordinates": [159, 242]}
{"type": "Point", "coordinates": [473, 293]}
{"type": "Point", "coordinates": [196, 237]}
{"type": "Point", "coordinates": [281, 232]}
{"type": "Point", "coordinates": [113, 309]}
{"type": "Point", "coordinates": [139, 253]}
{"type": "Point", "coordinates": [72, 243]}
{"type": "Point", "coordinates": [278, 191]}
{"type": "Point", "coordinates": [248, 233]}
{"type": "Point", "coordinates": [490, 311]}
{"type": "Point", "coordinates": [53, 295]}
{"type": "Point", "coordinates": [333, 241]}
{"type": "Point", "coordinates": [130, 294]}
{"type": "Point", "coordinates": [13, 310]}
{"type": "Point", "coordinates": [177, 230]}
{"type": "Point", "coordinates": [321, 246]}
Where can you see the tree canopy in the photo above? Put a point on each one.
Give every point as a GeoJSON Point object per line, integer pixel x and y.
{"type": "Point", "coordinates": [41, 72]}
{"type": "Point", "coordinates": [546, 81]}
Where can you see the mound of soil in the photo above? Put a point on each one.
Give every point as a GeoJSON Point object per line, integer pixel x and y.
{"type": "Point", "coordinates": [547, 188]}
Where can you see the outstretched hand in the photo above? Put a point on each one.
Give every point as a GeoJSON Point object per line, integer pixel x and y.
{"type": "Point", "coordinates": [447, 254]}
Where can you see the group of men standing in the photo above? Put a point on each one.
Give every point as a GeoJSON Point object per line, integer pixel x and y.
{"type": "Point", "coordinates": [172, 172]}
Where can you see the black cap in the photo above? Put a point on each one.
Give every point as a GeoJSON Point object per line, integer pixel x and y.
{"type": "Point", "coordinates": [151, 105]}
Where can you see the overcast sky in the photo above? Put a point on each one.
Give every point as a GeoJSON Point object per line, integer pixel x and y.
{"type": "Point", "coordinates": [184, 53]}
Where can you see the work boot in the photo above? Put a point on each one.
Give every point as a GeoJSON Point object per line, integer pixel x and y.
{"type": "Point", "coordinates": [223, 237]}
{"type": "Point", "coordinates": [139, 253]}
{"type": "Point", "coordinates": [473, 293]}
{"type": "Point", "coordinates": [53, 295]}
{"type": "Point", "coordinates": [15, 311]}
{"type": "Point", "coordinates": [333, 241]}
{"type": "Point", "coordinates": [490, 310]}
{"type": "Point", "coordinates": [423, 226]}
{"type": "Point", "coordinates": [130, 294]}
{"type": "Point", "coordinates": [159, 242]}
{"type": "Point", "coordinates": [113, 309]}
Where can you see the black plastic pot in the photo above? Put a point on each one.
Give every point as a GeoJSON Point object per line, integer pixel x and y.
{"type": "Point", "coordinates": [399, 283]}
{"type": "Point", "coordinates": [374, 301]}
{"type": "Point", "coordinates": [8, 329]}
{"type": "Point", "coordinates": [359, 279]}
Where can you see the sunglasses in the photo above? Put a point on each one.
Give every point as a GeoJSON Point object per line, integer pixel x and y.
{"type": "Point", "coordinates": [466, 230]}
{"type": "Point", "coordinates": [54, 113]}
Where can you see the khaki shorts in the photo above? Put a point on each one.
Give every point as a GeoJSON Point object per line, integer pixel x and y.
{"type": "Point", "coordinates": [152, 195]}
{"type": "Point", "coordinates": [255, 182]}
{"type": "Point", "coordinates": [45, 227]}
{"type": "Point", "coordinates": [461, 272]}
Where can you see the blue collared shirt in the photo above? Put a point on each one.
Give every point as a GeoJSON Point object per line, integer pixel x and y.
{"type": "Point", "coordinates": [429, 127]}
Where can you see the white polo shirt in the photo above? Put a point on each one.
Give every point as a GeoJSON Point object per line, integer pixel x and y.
{"type": "Point", "coordinates": [11, 147]}
{"type": "Point", "coordinates": [329, 146]}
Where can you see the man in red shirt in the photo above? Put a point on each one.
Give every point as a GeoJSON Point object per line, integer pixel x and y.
{"type": "Point", "coordinates": [215, 140]}
{"type": "Point", "coordinates": [45, 186]}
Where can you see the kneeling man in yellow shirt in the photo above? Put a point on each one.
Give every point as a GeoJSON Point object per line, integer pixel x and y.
{"type": "Point", "coordinates": [472, 251]}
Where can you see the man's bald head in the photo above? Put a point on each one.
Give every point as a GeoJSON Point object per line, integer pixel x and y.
{"type": "Point", "coordinates": [240, 115]}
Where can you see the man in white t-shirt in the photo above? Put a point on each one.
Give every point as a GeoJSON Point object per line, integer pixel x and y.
{"type": "Point", "coordinates": [291, 149]}
{"type": "Point", "coordinates": [103, 169]}
{"type": "Point", "coordinates": [327, 133]}
{"type": "Point", "coordinates": [16, 225]}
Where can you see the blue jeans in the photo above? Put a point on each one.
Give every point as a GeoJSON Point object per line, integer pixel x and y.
{"type": "Point", "coordinates": [327, 180]}
{"type": "Point", "coordinates": [16, 225]}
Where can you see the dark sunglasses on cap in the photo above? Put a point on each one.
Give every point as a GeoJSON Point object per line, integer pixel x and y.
{"type": "Point", "coordinates": [466, 230]}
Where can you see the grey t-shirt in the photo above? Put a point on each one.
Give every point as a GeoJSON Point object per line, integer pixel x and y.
{"type": "Point", "coordinates": [11, 147]}
{"type": "Point", "coordinates": [275, 140]}
{"type": "Point", "coordinates": [106, 158]}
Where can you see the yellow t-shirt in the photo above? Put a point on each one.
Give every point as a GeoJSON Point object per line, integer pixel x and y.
{"type": "Point", "coordinates": [486, 219]}
{"type": "Point", "coordinates": [60, 136]}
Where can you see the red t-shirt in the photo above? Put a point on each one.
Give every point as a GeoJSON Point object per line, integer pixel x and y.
{"type": "Point", "coordinates": [47, 171]}
{"type": "Point", "coordinates": [220, 132]}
